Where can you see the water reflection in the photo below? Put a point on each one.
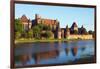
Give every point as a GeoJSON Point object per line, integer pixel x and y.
{"type": "Point", "coordinates": [45, 55]}
{"type": "Point", "coordinates": [74, 50]}
{"type": "Point", "coordinates": [52, 53]}
{"type": "Point", "coordinates": [83, 48]}
{"type": "Point", "coordinates": [67, 51]}
{"type": "Point", "coordinates": [25, 59]}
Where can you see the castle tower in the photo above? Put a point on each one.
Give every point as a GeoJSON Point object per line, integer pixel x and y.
{"type": "Point", "coordinates": [59, 34]}
{"type": "Point", "coordinates": [67, 31]}
{"type": "Point", "coordinates": [37, 16]}
{"type": "Point", "coordinates": [29, 24]}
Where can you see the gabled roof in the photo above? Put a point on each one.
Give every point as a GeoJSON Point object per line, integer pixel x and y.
{"type": "Point", "coordinates": [24, 18]}
{"type": "Point", "coordinates": [74, 25]}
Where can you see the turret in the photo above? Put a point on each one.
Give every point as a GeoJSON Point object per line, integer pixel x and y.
{"type": "Point", "coordinates": [37, 16]}
{"type": "Point", "coordinates": [67, 31]}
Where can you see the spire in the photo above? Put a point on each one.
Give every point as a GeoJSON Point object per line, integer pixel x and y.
{"type": "Point", "coordinates": [66, 26]}
{"type": "Point", "coordinates": [67, 29]}
{"type": "Point", "coordinates": [37, 16]}
{"type": "Point", "coordinates": [74, 25]}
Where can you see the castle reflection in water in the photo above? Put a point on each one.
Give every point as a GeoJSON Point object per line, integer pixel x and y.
{"type": "Point", "coordinates": [51, 54]}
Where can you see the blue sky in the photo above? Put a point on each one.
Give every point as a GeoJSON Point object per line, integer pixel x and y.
{"type": "Point", "coordinates": [65, 15]}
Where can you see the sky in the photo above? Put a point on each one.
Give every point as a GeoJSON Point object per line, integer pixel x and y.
{"type": "Point", "coordinates": [65, 15]}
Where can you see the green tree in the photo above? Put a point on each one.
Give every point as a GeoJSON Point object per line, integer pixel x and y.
{"type": "Point", "coordinates": [40, 26]}
{"type": "Point", "coordinates": [48, 34]}
{"type": "Point", "coordinates": [17, 35]}
{"type": "Point", "coordinates": [90, 32]}
{"type": "Point", "coordinates": [18, 26]}
{"type": "Point", "coordinates": [47, 28]}
{"type": "Point", "coordinates": [36, 31]}
{"type": "Point", "coordinates": [30, 33]}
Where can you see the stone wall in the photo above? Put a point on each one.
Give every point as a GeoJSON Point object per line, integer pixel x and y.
{"type": "Point", "coordinates": [79, 37]}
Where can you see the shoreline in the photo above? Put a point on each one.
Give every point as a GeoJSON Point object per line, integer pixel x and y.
{"type": "Point", "coordinates": [46, 40]}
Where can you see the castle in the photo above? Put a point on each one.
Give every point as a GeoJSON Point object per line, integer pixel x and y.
{"type": "Point", "coordinates": [74, 32]}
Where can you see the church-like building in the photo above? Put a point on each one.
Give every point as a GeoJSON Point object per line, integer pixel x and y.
{"type": "Point", "coordinates": [74, 32]}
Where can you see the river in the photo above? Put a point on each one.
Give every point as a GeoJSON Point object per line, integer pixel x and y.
{"type": "Point", "coordinates": [53, 52]}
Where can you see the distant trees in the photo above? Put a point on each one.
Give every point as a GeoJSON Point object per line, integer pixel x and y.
{"type": "Point", "coordinates": [90, 32]}
{"type": "Point", "coordinates": [36, 32]}
{"type": "Point", "coordinates": [48, 34]}
{"type": "Point", "coordinates": [17, 35]}
{"type": "Point", "coordinates": [18, 28]}
{"type": "Point", "coordinates": [30, 33]}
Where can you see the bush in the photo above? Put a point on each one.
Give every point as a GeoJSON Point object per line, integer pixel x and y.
{"type": "Point", "coordinates": [17, 35]}
{"type": "Point", "coordinates": [30, 34]}
{"type": "Point", "coordinates": [48, 34]}
{"type": "Point", "coordinates": [36, 31]}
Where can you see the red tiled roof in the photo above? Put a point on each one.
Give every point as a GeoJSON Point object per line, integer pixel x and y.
{"type": "Point", "coordinates": [49, 21]}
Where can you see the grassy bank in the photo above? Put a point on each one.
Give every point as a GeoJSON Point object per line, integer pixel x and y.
{"type": "Point", "coordinates": [38, 40]}
{"type": "Point", "coordinates": [43, 40]}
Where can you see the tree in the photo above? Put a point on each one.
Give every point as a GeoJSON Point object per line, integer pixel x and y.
{"type": "Point", "coordinates": [36, 31]}
{"type": "Point", "coordinates": [47, 28]}
{"type": "Point", "coordinates": [17, 35]}
{"type": "Point", "coordinates": [30, 33]}
{"type": "Point", "coordinates": [40, 26]}
{"type": "Point", "coordinates": [90, 32]}
{"type": "Point", "coordinates": [48, 34]}
{"type": "Point", "coordinates": [18, 26]}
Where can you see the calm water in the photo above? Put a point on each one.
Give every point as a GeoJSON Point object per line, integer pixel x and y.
{"type": "Point", "coordinates": [52, 52]}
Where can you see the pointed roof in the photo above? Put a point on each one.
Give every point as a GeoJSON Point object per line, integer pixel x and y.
{"type": "Point", "coordinates": [24, 18]}
{"type": "Point", "coordinates": [74, 25]}
{"type": "Point", "coordinates": [66, 26]}
{"type": "Point", "coordinates": [82, 26]}
{"type": "Point", "coordinates": [67, 29]}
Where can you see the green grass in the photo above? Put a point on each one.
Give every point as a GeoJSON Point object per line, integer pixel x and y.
{"type": "Point", "coordinates": [23, 40]}
{"type": "Point", "coordinates": [38, 40]}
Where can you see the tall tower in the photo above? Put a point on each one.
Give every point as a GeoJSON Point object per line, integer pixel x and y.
{"type": "Point", "coordinates": [37, 16]}
{"type": "Point", "coordinates": [67, 31]}
{"type": "Point", "coordinates": [29, 24]}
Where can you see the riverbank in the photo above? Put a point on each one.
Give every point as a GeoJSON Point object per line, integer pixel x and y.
{"type": "Point", "coordinates": [46, 40]}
